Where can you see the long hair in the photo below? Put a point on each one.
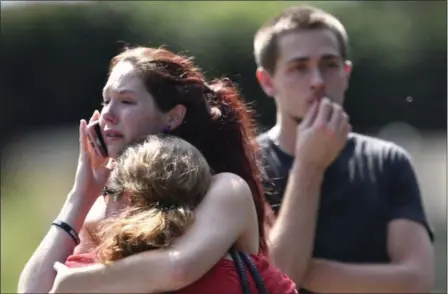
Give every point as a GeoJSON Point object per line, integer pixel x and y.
{"type": "Point", "coordinates": [217, 121]}
{"type": "Point", "coordinates": [162, 180]}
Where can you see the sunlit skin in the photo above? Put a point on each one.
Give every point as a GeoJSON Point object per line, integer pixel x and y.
{"type": "Point", "coordinates": [129, 111]}
{"type": "Point", "coordinates": [309, 67]}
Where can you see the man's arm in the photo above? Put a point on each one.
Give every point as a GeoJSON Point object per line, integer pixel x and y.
{"type": "Point", "coordinates": [411, 267]}
{"type": "Point", "coordinates": [291, 238]}
{"type": "Point", "coordinates": [321, 136]}
{"type": "Point", "coordinates": [220, 220]}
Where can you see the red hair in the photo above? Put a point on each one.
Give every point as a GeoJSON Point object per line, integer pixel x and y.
{"type": "Point", "coordinates": [217, 121]}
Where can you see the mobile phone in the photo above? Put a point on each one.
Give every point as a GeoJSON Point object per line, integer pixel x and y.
{"type": "Point", "coordinates": [101, 144]}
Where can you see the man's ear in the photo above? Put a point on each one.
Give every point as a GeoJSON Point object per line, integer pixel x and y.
{"type": "Point", "coordinates": [266, 82]}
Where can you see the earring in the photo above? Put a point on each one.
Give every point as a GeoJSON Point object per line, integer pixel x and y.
{"type": "Point", "coordinates": [166, 129]}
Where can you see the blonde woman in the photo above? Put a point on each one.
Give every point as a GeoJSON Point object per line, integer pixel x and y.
{"type": "Point", "coordinates": [155, 187]}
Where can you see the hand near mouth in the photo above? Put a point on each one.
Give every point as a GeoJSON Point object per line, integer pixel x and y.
{"type": "Point", "coordinates": [93, 168]}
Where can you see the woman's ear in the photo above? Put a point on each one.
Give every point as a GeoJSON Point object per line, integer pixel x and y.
{"type": "Point", "coordinates": [176, 116]}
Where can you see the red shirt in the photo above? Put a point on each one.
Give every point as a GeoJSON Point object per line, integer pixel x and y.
{"type": "Point", "coordinates": [222, 278]}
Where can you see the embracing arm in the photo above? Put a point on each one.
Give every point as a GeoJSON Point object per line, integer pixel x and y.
{"type": "Point", "coordinates": [38, 274]}
{"type": "Point", "coordinates": [220, 220]}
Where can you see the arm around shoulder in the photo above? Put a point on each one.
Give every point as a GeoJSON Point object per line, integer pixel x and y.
{"type": "Point", "coordinates": [220, 220]}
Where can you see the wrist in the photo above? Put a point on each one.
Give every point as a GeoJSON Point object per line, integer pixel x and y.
{"type": "Point", "coordinates": [306, 168]}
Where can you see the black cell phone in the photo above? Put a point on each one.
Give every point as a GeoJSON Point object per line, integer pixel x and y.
{"type": "Point", "coordinates": [99, 135]}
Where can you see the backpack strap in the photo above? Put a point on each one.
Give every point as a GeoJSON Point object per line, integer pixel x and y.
{"type": "Point", "coordinates": [254, 272]}
{"type": "Point", "coordinates": [241, 270]}
{"type": "Point", "coordinates": [243, 261]}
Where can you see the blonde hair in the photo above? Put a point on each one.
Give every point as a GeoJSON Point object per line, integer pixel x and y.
{"type": "Point", "coordinates": [164, 179]}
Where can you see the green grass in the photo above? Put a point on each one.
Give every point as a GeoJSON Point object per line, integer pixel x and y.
{"type": "Point", "coordinates": [28, 205]}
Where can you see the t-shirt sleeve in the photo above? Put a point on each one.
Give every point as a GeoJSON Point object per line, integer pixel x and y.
{"type": "Point", "coordinates": [406, 201]}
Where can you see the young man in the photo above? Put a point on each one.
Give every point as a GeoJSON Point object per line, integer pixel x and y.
{"type": "Point", "coordinates": [351, 216]}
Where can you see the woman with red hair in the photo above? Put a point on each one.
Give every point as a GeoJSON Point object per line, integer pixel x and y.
{"type": "Point", "coordinates": [151, 91]}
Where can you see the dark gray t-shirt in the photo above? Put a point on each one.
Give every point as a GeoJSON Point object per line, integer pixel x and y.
{"type": "Point", "coordinates": [371, 183]}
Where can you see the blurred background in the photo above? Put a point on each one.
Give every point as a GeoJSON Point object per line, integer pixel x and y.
{"type": "Point", "coordinates": [54, 59]}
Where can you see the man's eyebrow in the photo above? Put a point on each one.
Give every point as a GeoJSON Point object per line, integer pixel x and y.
{"type": "Point", "coordinates": [298, 59]}
{"type": "Point", "coordinates": [330, 56]}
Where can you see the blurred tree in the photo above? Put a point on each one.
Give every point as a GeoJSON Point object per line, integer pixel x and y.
{"type": "Point", "coordinates": [55, 57]}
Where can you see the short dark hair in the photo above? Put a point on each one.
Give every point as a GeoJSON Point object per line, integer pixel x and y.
{"type": "Point", "coordinates": [293, 19]}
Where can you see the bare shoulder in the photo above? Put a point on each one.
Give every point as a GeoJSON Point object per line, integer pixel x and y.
{"type": "Point", "coordinates": [229, 188]}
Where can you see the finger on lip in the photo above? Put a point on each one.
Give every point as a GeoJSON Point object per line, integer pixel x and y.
{"type": "Point", "coordinates": [317, 98]}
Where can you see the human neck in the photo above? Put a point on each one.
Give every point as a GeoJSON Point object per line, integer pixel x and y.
{"type": "Point", "coordinates": [284, 134]}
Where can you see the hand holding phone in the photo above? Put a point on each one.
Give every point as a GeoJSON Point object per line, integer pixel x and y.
{"type": "Point", "coordinates": [93, 167]}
